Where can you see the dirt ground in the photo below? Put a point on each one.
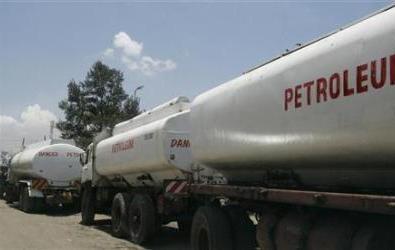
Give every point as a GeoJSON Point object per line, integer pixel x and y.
{"type": "Point", "coordinates": [60, 229]}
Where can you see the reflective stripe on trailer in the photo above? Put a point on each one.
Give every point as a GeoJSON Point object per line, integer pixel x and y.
{"type": "Point", "coordinates": [39, 184]}
{"type": "Point", "coordinates": [176, 187]}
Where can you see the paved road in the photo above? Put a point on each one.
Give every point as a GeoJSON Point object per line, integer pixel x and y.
{"type": "Point", "coordinates": [59, 229]}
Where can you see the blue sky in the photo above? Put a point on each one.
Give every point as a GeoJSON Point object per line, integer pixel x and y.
{"type": "Point", "coordinates": [45, 45]}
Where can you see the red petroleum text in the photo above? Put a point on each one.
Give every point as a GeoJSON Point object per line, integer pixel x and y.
{"type": "Point", "coordinates": [47, 154]}
{"type": "Point", "coordinates": [180, 143]}
{"type": "Point", "coordinates": [369, 76]}
{"type": "Point", "coordinates": [123, 146]}
{"type": "Point", "coordinates": [72, 154]}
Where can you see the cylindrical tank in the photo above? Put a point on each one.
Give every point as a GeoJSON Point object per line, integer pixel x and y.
{"type": "Point", "coordinates": [55, 160]}
{"type": "Point", "coordinates": [320, 116]}
{"type": "Point", "coordinates": [152, 151]}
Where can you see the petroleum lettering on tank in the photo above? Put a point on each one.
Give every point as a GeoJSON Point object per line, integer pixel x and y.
{"type": "Point", "coordinates": [47, 154]}
{"type": "Point", "coordinates": [180, 143]}
{"type": "Point", "coordinates": [123, 146]}
{"type": "Point", "coordinates": [72, 154]}
{"type": "Point", "coordinates": [368, 77]}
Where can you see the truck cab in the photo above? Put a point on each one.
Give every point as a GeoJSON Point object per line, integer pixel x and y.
{"type": "Point", "coordinates": [87, 162]}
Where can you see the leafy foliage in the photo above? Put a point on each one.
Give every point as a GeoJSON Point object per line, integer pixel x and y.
{"type": "Point", "coordinates": [95, 104]}
{"type": "Point", "coordinates": [4, 158]}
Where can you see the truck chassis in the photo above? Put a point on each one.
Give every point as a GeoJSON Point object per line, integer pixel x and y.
{"type": "Point", "coordinates": [222, 216]}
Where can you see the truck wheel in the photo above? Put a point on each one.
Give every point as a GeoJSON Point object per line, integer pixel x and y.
{"type": "Point", "coordinates": [76, 204]}
{"type": "Point", "coordinates": [39, 204]}
{"type": "Point", "coordinates": [119, 215]}
{"type": "Point", "coordinates": [21, 200]}
{"type": "Point", "coordinates": [211, 230]}
{"type": "Point", "coordinates": [372, 236]}
{"type": "Point", "coordinates": [265, 230]}
{"type": "Point", "coordinates": [2, 189]}
{"type": "Point", "coordinates": [9, 196]}
{"type": "Point", "coordinates": [141, 218]}
{"type": "Point", "coordinates": [292, 230]}
{"type": "Point", "coordinates": [28, 203]}
{"type": "Point", "coordinates": [331, 232]}
{"type": "Point", "coordinates": [184, 225]}
{"type": "Point", "coordinates": [88, 205]}
{"type": "Point", "coordinates": [243, 230]}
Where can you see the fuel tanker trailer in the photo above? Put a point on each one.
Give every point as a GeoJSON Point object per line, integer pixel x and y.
{"type": "Point", "coordinates": [314, 127]}
{"type": "Point", "coordinates": [304, 143]}
{"type": "Point", "coordinates": [319, 117]}
{"type": "Point", "coordinates": [47, 172]}
{"type": "Point", "coordinates": [125, 171]}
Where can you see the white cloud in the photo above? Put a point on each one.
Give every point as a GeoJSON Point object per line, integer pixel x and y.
{"type": "Point", "coordinates": [7, 120]}
{"type": "Point", "coordinates": [148, 65]}
{"type": "Point", "coordinates": [132, 56]}
{"type": "Point", "coordinates": [129, 46]}
{"type": "Point", "coordinates": [109, 52]}
{"type": "Point", "coordinates": [32, 125]}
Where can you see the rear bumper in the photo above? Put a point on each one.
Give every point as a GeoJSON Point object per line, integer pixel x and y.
{"type": "Point", "coordinates": [66, 195]}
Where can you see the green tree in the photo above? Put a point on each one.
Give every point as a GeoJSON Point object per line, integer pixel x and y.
{"type": "Point", "coordinates": [75, 125]}
{"type": "Point", "coordinates": [4, 158]}
{"type": "Point", "coordinates": [131, 107]}
{"type": "Point", "coordinates": [95, 104]}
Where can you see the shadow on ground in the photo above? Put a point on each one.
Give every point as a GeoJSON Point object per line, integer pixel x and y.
{"type": "Point", "coordinates": [168, 238]}
{"type": "Point", "coordinates": [53, 211]}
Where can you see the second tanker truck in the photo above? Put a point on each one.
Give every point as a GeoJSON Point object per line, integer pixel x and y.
{"type": "Point", "coordinates": [44, 173]}
{"type": "Point", "coordinates": [304, 143]}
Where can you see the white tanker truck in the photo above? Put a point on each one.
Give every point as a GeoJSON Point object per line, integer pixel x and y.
{"type": "Point", "coordinates": [305, 143]}
{"type": "Point", "coordinates": [47, 172]}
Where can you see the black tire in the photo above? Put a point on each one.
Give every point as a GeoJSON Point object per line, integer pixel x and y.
{"type": "Point", "coordinates": [184, 225]}
{"type": "Point", "coordinates": [39, 204]}
{"type": "Point", "coordinates": [2, 189]}
{"type": "Point", "coordinates": [88, 205]}
{"type": "Point", "coordinates": [76, 204]}
{"type": "Point", "coordinates": [119, 215]}
{"type": "Point", "coordinates": [21, 199]}
{"type": "Point", "coordinates": [243, 230]}
{"type": "Point", "coordinates": [10, 196]}
{"type": "Point", "coordinates": [28, 203]}
{"type": "Point", "coordinates": [141, 218]}
{"type": "Point", "coordinates": [372, 236]}
{"type": "Point", "coordinates": [265, 229]}
{"type": "Point", "coordinates": [292, 230]}
{"type": "Point", "coordinates": [211, 230]}
{"type": "Point", "coordinates": [331, 231]}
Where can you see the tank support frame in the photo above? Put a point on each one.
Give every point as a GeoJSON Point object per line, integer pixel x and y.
{"type": "Point", "coordinates": [381, 204]}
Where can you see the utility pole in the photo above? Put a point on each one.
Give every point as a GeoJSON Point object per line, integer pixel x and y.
{"type": "Point", "coordinates": [137, 89]}
{"type": "Point", "coordinates": [51, 128]}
